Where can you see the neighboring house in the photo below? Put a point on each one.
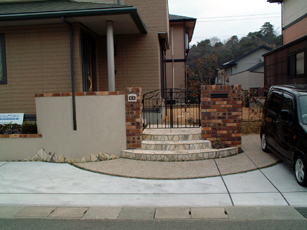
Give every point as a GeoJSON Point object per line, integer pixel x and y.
{"type": "Point", "coordinates": [246, 70]}
{"type": "Point", "coordinates": [287, 64]}
{"type": "Point", "coordinates": [181, 32]}
{"type": "Point", "coordinates": [79, 46]}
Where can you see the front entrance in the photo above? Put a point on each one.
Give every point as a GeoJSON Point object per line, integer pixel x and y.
{"type": "Point", "coordinates": [88, 47]}
{"type": "Point", "coordinates": [171, 108]}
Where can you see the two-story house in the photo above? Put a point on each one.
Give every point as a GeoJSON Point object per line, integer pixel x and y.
{"type": "Point", "coordinates": [181, 32]}
{"type": "Point", "coordinates": [246, 70]}
{"type": "Point", "coordinates": [287, 64]}
{"type": "Point", "coordinates": [79, 46]}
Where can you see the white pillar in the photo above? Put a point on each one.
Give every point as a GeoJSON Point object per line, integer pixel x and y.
{"type": "Point", "coordinates": [110, 52]}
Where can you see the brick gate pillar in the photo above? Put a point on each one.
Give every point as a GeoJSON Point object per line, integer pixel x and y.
{"type": "Point", "coordinates": [221, 114]}
{"type": "Point", "coordinates": [133, 99]}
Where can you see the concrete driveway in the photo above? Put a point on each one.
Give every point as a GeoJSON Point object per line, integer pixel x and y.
{"type": "Point", "coordinates": [50, 184]}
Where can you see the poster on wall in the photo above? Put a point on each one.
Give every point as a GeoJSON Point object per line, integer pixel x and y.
{"type": "Point", "coordinates": [11, 118]}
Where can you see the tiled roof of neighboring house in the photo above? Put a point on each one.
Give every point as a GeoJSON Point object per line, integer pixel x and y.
{"type": "Point", "coordinates": [50, 6]}
{"type": "Point", "coordinates": [173, 17]}
{"type": "Point", "coordinates": [234, 62]}
{"type": "Point", "coordinates": [254, 68]}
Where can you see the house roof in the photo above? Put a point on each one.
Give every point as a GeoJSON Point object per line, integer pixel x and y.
{"type": "Point", "coordinates": [254, 68]}
{"type": "Point", "coordinates": [272, 1]}
{"type": "Point", "coordinates": [84, 12]}
{"type": "Point", "coordinates": [189, 23]}
{"type": "Point", "coordinates": [234, 62]}
{"type": "Point", "coordinates": [173, 17]}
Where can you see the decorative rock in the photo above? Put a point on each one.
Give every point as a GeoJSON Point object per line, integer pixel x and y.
{"type": "Point", "coordinates": [102, 157]}
{"type": "Point", "coordinates": [113, 157]}
{"type": "Point", "coordinates": [88, 159]}
{"type": "Point", "coordinates": [83, 160]}
{"type": "Point", "coordinates": [61, 159]}
{"type": "Point", "coordinates": [40, 153]}
{"type": "Point", "coordinates": [70, 161]}
{"type": "Point", "coordinates": [55, 158]}
{"type": "Point", "coordinates": [77, 160]}
{"type": "Point", "coordinates": [37, 158]}
{"type": "Point", "coordinates": [107, 155]}
{"type": "Point", "coordinates": [93, 158]}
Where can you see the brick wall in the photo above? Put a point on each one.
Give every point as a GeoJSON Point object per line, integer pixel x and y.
{"type": "Point", "coordinates": [222, 117]}
{"type": "Point", "coordinates": [134, 118]}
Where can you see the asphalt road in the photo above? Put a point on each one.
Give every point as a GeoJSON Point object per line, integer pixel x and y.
{"type": "Point", "coordinates": [47, 224]}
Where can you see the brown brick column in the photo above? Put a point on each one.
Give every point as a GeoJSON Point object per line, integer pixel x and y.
{"type": "Point", "coordinates": [221, 114]}
{"type": "Point", "coordinates": [134, 118]}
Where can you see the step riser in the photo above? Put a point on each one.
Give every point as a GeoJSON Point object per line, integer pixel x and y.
{"type": "Point", "coordinates": [174, 147]}
{"type": "Point", "coordinates": [130, 154]}
{"type": "Point", "coordinates": [174, 137]}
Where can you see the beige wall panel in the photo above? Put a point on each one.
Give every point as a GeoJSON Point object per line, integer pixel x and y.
{"type": "Point", "coordinates": [14, 149]}
{"type": "Point", "coordinates": [101, 125]}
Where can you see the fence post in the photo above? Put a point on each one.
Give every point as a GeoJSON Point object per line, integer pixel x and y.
{"type": "Point", "coordinates": [221, 114]}
{"type": "Point", "coordinates": [133, 100]}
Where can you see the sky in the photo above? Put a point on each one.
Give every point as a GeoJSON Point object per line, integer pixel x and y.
{"type": "Point", "coordinates": [225, 18]}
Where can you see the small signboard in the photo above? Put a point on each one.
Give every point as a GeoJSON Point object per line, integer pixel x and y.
{"type": "Point", "coordinates": [11, 118]}
{"type": "Point", "coordinates": [132, 98]}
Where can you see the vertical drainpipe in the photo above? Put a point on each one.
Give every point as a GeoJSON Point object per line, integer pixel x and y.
{"type": "Point", "coordinates": [72, 72]}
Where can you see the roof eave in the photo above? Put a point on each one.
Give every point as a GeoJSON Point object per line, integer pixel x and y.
{"type": "Point", "coordinates": [88, 12]}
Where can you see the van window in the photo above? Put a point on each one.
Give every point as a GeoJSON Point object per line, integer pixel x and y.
{"type": "Point", "coordinates": [275, 102]}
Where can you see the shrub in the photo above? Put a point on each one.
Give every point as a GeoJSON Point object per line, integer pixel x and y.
{"type": "Point", "coordinates": [10, 129]}
{"type": "Point", "coordinates": [218, 144]}
{"type": "Point", "coordinates": [29, 127]}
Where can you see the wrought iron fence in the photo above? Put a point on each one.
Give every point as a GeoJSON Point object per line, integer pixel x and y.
{"type": "Point", "coordinates": [171, 108]}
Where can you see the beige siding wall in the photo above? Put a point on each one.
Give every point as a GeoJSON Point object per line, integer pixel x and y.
{"type": "Point", "coordinates": [179, 53]}
{"type": "Point", "coordinates": [38, 61]}
{"type": "Point", "coordinates": [292, 10]}
{"type": "Point", "coordinates": [179, 74]}
{"type": "Point", "coordinates": [296, 31]}
{"type": "Point", "coordinates": [136, 62]}
{"type": "Point", "coordinates": [153, 13]}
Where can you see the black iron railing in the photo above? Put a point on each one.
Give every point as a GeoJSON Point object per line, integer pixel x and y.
{"type": "Point", "coordinates": [171, 108]}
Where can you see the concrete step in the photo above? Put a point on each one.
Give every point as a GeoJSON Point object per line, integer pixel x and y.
{"type": "Point", "coordinates": [178, 155]}
{"type": "Point", "coordinates": [175, 145]}
{"type": "Point", "coordinates": [172, 136]}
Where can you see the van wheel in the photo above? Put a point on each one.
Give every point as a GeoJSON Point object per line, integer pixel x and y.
{"type": "Point", "coordinates": [300, 171]}
{"type": "Point", "coordinates": [264, 144]}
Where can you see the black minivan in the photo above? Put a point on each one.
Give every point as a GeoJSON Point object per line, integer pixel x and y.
{"type": "Point", "coordinates": [284, 127]}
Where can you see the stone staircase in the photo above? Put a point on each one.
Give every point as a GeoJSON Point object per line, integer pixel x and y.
{"type": "Point", "coordinates": [176, 145]}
